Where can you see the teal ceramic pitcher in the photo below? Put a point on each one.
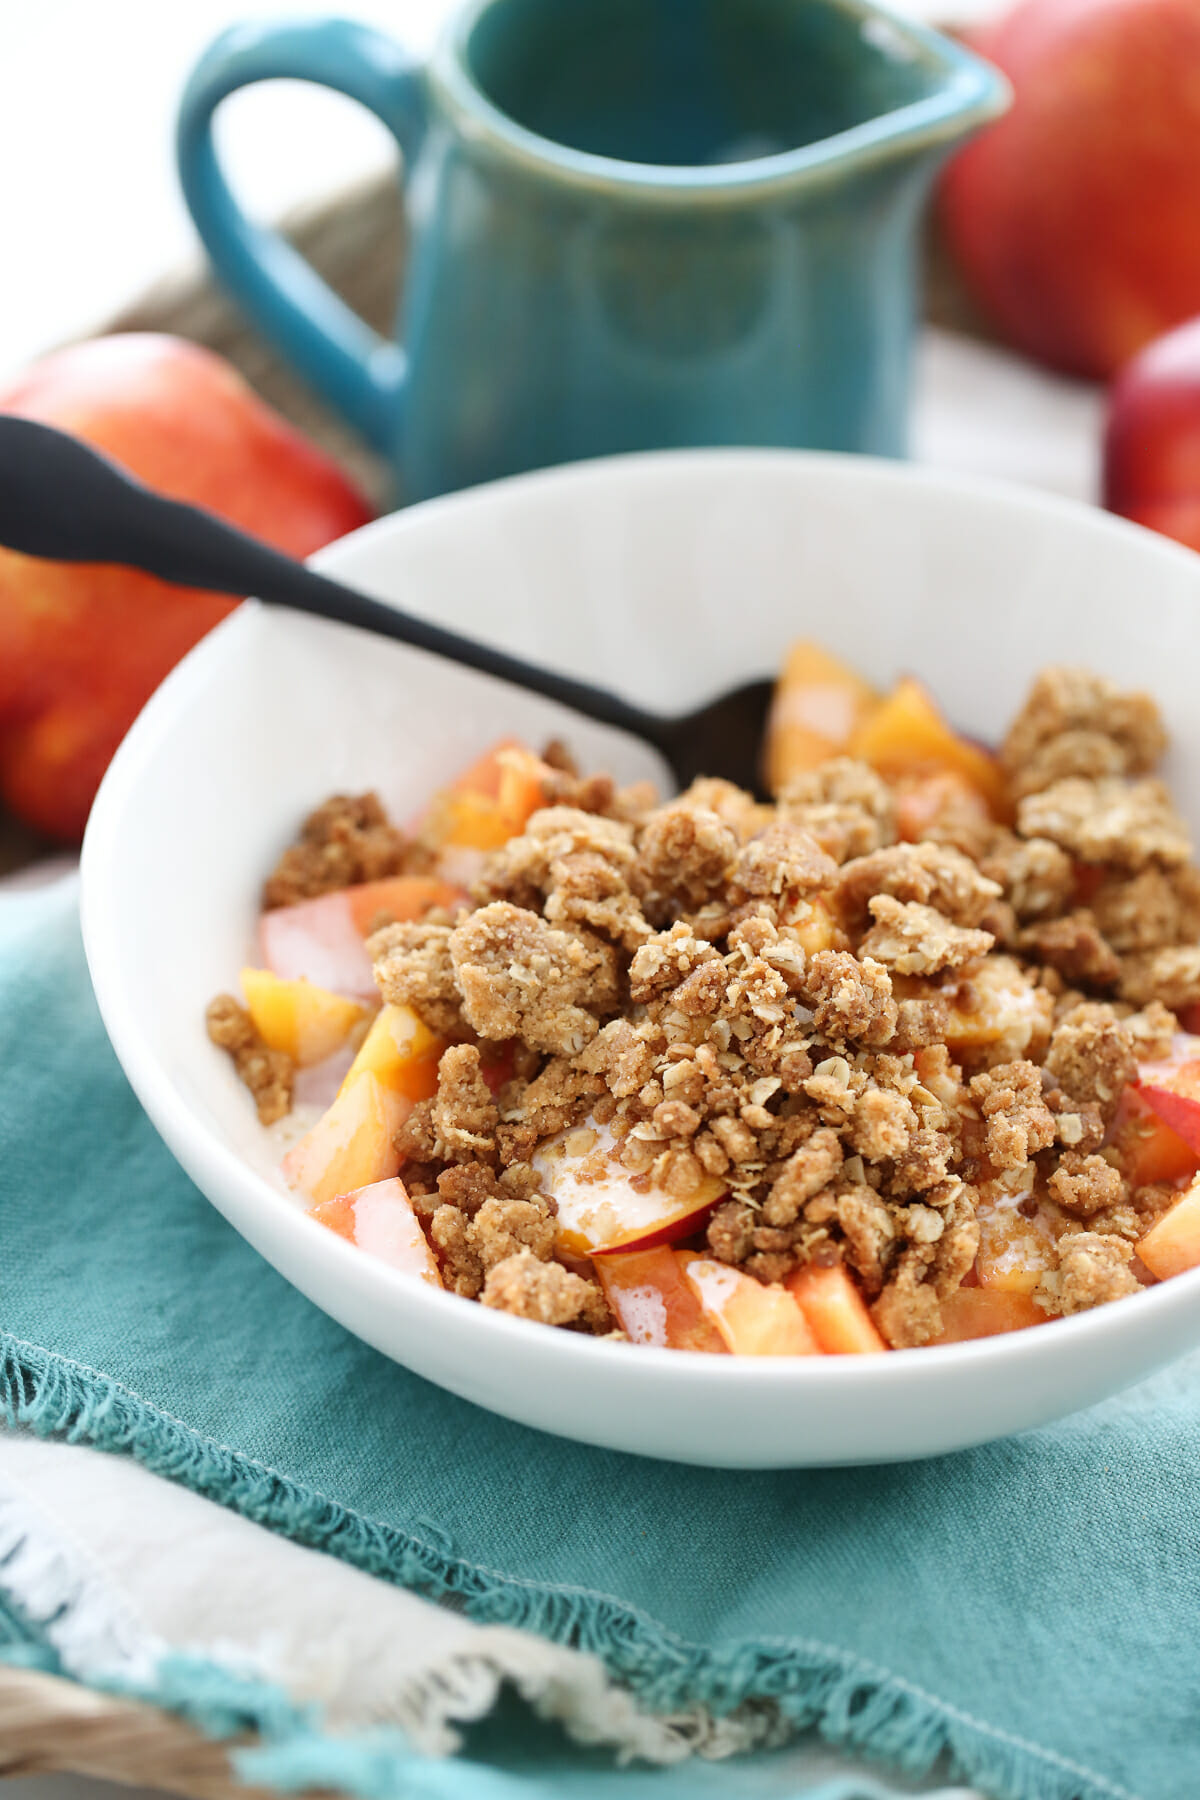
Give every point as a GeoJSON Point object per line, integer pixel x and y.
{"type": "Point", "coordinates": [632, 224]}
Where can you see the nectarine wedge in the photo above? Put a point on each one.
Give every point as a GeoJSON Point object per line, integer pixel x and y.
{"type": "Point", "coordinates": [907, 735]}
{"type": "Point", "coordinates": [381, 1221]}
{"type": "Point", "coordinates": [401, 1053]}
{"type": "Point", "coordinates": [653, 1303]}
{"type": "Point", "coordinates": [835, 1311]}
{"type": "Point", "coordinates": [753, 1320]}
{"type": "Point", "coordinates": [307, 1022]}
{"type": "Point", "coordinates": [978, 1312]}
{"type": "Point", "coordinates": [600, 1207]}
{"type": "Point", "coordinates": [1173, 1245]}
{"type": "Point", "coordinates": [819, 701]}
{"type": "Point", "coordinates": [350, 1146]}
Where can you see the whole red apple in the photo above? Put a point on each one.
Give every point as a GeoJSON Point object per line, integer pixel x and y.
{"type": "Point", "coordinates": [1152, 437]}
{"type": "Point", "coordinates": [1076, 219]}
{"type": "Point", "coordinates": [82, 646]}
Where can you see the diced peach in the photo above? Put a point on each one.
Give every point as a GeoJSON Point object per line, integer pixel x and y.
{"type": "Point", "coordinates": [401, 1053]}
{"type": "Point", "coordinates": [1015, 1248]}
{"type": "Point", "coordinates": [996, 1003]}
{"type": "Point", "coordinates": [381, 1221]}
{"type": "Point", "coordinates": [350, 1146]}
{"type": "Point", "coordinates": [1172, 1091]}
{"type": "Point", "coordinates": [308, 1023]}
{"type": "Point", "coordinates": [1149, 1151]}
{"type": "Point", "coordinates": [602, 1207]}
{"type": "Point", "coordinates": [923, 800]}
{"type": "Point", "coordinates": [318, 941]}
{"type": "Point", "coordinates": [818, 704]}
{"type": "Point", "coordinates": [907, 735]}
{"type": "Point", "coordinates": [816, 924]}
{"type": "Point", "coordinates": [404, 896]}
{"type": "Point", "coordinates": [753, 1320]}
{"type": "Point", "coordinates": [1173, 1245]}
{"type": "Point", "coordinates": [322, 940]}
{"type": "Point", "coordinates": [653, 1303]}
{"type": "Point", "coordinates": [489, 803]}
{"type": "Point", "coordinates": [835, 1310]}
{"type": "Point", "coordinates": [978, 1312]}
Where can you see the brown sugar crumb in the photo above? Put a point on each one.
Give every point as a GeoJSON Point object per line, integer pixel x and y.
{"type": "Point", "coordinates": [846, 806]}
{"type": "Point", "coordinates": [465, 1115]}
{"type": "Point", "coordinates": [1075, 947]}
{"type": "Point", "coordinates": [588, 890]}
{"type": "Point", "coordinates": [467, 1185]}
{"type": "Point", "coordinates": [520, 977]}
{"type": "Point", "coordinates": [1091, 1057]}
{"type": "Point", "coordinates": [523, 869]}
{"type": "Point", "coordinates": [1151, 1032]}
{"type": "Point", "coordinates": [269, 1074]}
{"type": "Point", "coordinates": [883, 1126]}
{"type": "Point", "coordinates": [1093, 1268]}
{"type": "Point", "coordinates": [347, 840]}
{"type": "Point", "coordinates": [1170, 976]}
{"type": "Point", "coordinates": [1125, 823]}
{"type": "Point", "coordinates": [1018, 1121]}
{"type": "Point", "coordinates": [805, 1173]}
{"type": "Point", "coordinates": [1083, 1185]}
{"type": "Point", "coordinates": [1075, 722]}
{"type": "Point", "coordinates": [784, 859]}
{"type": "Point", "coordinates": [686, 856]}
{"type": "Point", "coordinates": [913, 939]}
{"type": "Point", "coordinates": [934, 875]}
{"type": "Point", "coordinates": [545, 1292]}
{"type": "Point", "coordinates": [1150, 910]}
{"type": "Point", "coordinates": [907, 1311]}
{"type": "Point", "coordinates": [413, 967]}
{"type": "Point", "coordinates": [851, 999]}
{"type": "Point", "coordinates": [1036, 876]}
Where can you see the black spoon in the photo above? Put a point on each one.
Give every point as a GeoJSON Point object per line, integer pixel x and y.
{"type": "Point", "coordinates": [61, 499]}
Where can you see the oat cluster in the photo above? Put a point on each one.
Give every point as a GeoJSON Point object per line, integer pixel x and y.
{"type": "Point", "coordinates": [870, 1042]}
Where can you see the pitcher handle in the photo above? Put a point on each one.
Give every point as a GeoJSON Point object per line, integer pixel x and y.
{"type": "Point", "coordinates": [361, 374]}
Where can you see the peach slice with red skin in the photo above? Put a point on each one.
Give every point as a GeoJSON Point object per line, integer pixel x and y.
{"type": "Point", "coordinates": [1147, 1148]}
{"type": "Point", "coordinates": [1171, 1090]}
{"type": "Point", "coordinates": [601, 1206]}
{"type": "Point", "coordinates": [652, 1301]}
{"type": "Point", "coordinates": [379, 1218]}
{"type": "Point", "coordinates": [753, 1320]}
{"type": "Point", "coordinates": [834, 1310]}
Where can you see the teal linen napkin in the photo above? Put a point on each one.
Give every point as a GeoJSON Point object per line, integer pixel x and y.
{"type": "Point", "coordinates": [1027, 1609]}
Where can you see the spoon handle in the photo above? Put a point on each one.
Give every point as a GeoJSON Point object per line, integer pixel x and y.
{"type": "Point", "coordinates": [61, 499]}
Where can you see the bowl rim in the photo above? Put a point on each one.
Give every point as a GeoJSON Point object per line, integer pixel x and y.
{"type": "Point", "coordinates": [196, 1145]}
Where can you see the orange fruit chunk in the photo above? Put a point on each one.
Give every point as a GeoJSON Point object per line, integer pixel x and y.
{"type": "Point", "coordinates": [818, 704]}
{"type": "Point", "coordinates": [835, 1310]}
{"type": "Point", "coordinates": [653, 1303]}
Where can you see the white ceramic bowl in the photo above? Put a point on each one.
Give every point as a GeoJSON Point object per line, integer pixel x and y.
{"type": "Point", "coordinates": [670, 577]}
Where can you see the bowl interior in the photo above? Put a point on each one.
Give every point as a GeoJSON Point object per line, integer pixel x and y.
{"type": "Point", "coordinates": [670, 578]}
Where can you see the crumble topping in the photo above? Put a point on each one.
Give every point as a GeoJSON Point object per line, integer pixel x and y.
{"type": "Point", "coordinates": [348, 839]}
{"type": "Point", "coordinates": [841, 1046]}
{"type": "Point", "coordinates": [268, 1074]}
